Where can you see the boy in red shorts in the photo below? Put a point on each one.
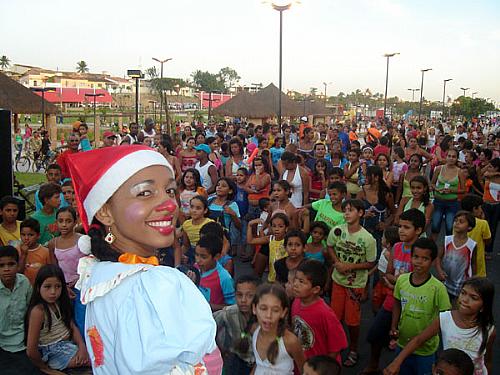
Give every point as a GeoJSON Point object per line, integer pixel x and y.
{"type": "Point", "coordinates": [354, 252]}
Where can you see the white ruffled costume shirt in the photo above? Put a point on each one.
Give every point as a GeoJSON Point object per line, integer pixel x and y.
{"type": "Point", "coordinates": [143, 319]}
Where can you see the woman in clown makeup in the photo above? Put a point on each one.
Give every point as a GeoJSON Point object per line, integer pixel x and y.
{"type": "Point", "coordinates": [141, 318]}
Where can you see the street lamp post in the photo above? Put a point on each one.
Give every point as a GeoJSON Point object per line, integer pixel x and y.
{"type": "Point", "coordinates": [464, 89]}
{"type": "Point", "coordinates": [94, 96]}
{"type": "Point", "coordinates": [422, 93]}
{"type": "Point", "coordinates": [474, 93]}
{"type": "Point", "coordinates": [413, 94]}
{"type": "Point", "coordinates": [388, 56]}
{"type": "Point", "coordinates": [281, 6]}
{"type": "Point", "coordinates": [444, 92]}
{"type": "Point", "coordinates": [43, 90]}
{"type": "Point", "coordinates": [161, 93]}
{"type": "Point", "coordinates": [326, 85]}
{"type": "Point", "coordinates": [137, 75]}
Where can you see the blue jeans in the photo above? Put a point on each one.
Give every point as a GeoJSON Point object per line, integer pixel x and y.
{"type": "Point", "coordinates": [448, 209]}
{"type": "Point", "coordinates": [492, 215]}
{"type": "Point", "coordinates": [417, 364]}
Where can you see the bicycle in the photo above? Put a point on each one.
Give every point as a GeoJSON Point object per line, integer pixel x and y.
{"type": "Point", "coordinates": [23, 162]}
{"type": "Point", "coordinates": [28, 194]}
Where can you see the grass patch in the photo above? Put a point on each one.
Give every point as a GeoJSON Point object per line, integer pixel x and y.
{"type": "Point", "coordinates": [28, 179]}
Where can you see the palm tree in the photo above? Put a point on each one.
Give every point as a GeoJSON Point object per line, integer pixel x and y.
{"type": "Point", "coordinates": [81, 67]}
{"type": "Point", "coordinates": [4, 62]}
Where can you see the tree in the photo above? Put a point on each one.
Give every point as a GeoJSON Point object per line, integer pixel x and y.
{"type": "Point", "coordinates": [469, 107]}
{"type": "Point", "coordinates": [81, 67]}
{"type": "Point", "coordinates": [206, 81]}
{"type": "Point", "coordinates": [313, 91]}
{"type": "Point", "coordinates": [229, 77]}
{"type": "Point", "coordinates": [4, 62]}
{"type": "Point", "coordinates": [152, 72]}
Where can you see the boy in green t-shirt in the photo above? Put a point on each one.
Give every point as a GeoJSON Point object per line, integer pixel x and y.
{"type": "Point", "coordinates": [354, 251]}
{"type": "Point", "coordinates": [51, 200]}
{"type": "Point", "coordinates": [329, 211]}
{"type": "Point", "coordinates": [419, 298]}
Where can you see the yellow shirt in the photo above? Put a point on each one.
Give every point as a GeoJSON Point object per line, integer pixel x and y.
{"type": "Point", "coordinates": [277, 251]}
{"type": "Point", "coordinates": [10, 238]}
{"type": "Point", "coordinates": [480, 233]}
{"type": "Point", "coordinates": [193, 231]}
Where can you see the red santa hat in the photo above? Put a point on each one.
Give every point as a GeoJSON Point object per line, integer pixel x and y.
{"type": "Point", "coordinates": [97, 174]}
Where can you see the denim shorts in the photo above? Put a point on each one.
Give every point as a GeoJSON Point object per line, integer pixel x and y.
{"type": "Point", "coordinates": [58, 355]}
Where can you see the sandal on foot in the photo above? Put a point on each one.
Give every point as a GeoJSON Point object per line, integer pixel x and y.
{"type": "Point", "coordinates": [352, 359]}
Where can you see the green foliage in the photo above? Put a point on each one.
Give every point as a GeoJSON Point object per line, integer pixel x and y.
{"type": "Point", "coordinates": [229, 77]}
{"type": "Point", "coordinates": [152, 72]}
{"type": "Point", "coordinates": [4, 62]}
{"type": "Point", "coordinates": [167, 84]}
{"type": "Point", "coordinates": [82, 67]}
{"type": "Point", "coordinates": [221, 82]}
{"type": "Point", "coordinates": [470, 107]}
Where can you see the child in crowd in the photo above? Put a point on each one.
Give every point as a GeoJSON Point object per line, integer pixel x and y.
{"type": "Point", "coordinates": [276, 349]}
{"type": "Point", "coordinates": [68, 192]}
{"type": "Point", "coordinates": [295, 242]}
{"type": "Point", "coordinates": [15, 293]}
{"type": "Point", "coordinates": [224, 210]}
{"type": "Point", "coordinates": [353, 251]}
{"type": "Point", "coordinates": [216, 283]}
{"type": "Point", "coordinates": [313, 321]}
{"type": "Point", "coordinates": [419, 298]}
{"type": "Point", "coordinates": [281, 202]}
{"type": "Point", "coordinates": [224, 259]}
{"type": "Point", "coordinates": [411, 225]}
{"type": "Point", "coordinates": [481, 232]}
{"type": "Point", "coordinates": [457, 260]}
{"type": "Point", "coordinates": [50, 196]}
{"type": "Point", "coordinates": [191, 228]}
{"type": "Point", "coordinates": [318, 180]}
{"type": "Point", "coordinates": [65, 253]}
{"type": "Point", "coordinates": [190, 186]}
{"type": "Point", "coordinates": [53, 175]}
{"type": "Point", "coordinates": [241, 199]}
{"type": "Point", "coordinates": [414, 169]}
{"type": "Point", "coordinates": [321, 365]}
{"type": "Point", "coordinates": [316, 249]}
{"type": "Point", "coordinates": [233, 325]}
{"type": "Point", "coordinates": [399, 168]}
{"type": "Point", "coordinates": [453, 362]}
{"type": "Point", "coordinates": [420, 199]}
{"type": "Point", "coordinates": [329, 210]}
{"type": "Point", "coordinates": [53, 340]}
{"type": "Point", "coordinates": [32, 255]}
{"type": "Point", "coordinates": [351, 172]}
{"type": "Point", "coordinates": [10, 228]}
{"type": "Point", "coordinates": [469, 327]}
{"type": "Point", "coordinates": [364, 163]}
{"type": "Point", "coordinates": [273, 248]}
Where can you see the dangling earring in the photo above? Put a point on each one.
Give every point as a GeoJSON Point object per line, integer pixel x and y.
{"type": "Point", "coordinates": [110, 237]}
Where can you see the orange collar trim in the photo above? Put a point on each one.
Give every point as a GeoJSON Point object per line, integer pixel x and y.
{"type": "Point", "coordinates": [129, 258]}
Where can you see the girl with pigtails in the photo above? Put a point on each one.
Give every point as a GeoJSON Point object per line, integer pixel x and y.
{"type": "Point", "coordinates": [137, 311]}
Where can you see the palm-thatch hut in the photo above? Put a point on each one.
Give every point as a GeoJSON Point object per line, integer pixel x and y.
{"type": "Point", "coordinates": [20, 100]}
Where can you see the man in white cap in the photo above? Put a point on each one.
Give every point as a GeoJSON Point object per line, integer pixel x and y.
{"type": "Point", "coordinates": [303, 125]}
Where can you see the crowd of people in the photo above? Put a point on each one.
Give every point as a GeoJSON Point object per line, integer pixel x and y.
{"type": "Point", "coordinates": [327, 215]}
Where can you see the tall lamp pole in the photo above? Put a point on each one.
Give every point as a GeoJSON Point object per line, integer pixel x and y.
{"type": "Point", "coordinates": [137, 75]}
{"type": "Point", "coordinates": [464, 89]}
{"type": "Point", "coordinates": [91, 95]}
{"type": "Point", "coordinates": [161, 93]}
{"type": "Point", "coordinates": [43, 90]}
{"type": "Point", "coordinates": [444, 92]}
{"type": "Point", "coordinates": [281, 6]}
{"type": "Point", "coordinates": [413, 94]}
{"type": "Point", "coordinates": [387, 56]}
{"type": "Point", "coordinates": [422, 93]}
{"type": "Point", "coordinates": [326, 85]}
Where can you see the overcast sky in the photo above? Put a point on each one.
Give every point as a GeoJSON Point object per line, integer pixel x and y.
{"type": "Point", "coordinates": [338, 41]}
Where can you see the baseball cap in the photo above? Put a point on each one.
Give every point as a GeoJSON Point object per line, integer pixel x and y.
{"type": "Point", "coordinates": [303, 118]}
{"type": "Point", "coordinates": [108, 134]}
{"type": "Point", "coordinates": [203, 147]}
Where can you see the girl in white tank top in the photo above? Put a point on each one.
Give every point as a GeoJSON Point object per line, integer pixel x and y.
{"type": "Point", "coordinates": [297, 189]}
{"type": "Point", "coordinates": [275, 348]}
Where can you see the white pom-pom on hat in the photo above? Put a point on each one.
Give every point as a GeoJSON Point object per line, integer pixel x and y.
{"type": "Point", "coordinates": [84, 245]}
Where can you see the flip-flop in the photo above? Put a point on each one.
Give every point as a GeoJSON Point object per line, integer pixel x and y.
{"type": "Point", "coordinates": [351, 360]}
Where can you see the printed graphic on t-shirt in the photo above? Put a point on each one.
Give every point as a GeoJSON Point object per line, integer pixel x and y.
{"type": "Point", "coordinates": [303, 332]}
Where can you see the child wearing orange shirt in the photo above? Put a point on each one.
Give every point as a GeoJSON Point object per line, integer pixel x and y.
{"type": "Point", "coordinates": [32, 255]}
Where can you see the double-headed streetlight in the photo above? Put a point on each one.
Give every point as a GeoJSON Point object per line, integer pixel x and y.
{"type": "Point", "coordinates": [94, 96]}
{"type": "Point", "coordinates": [326, 85]}
{"type": "Point", "coordinates": [43, 90]}
{"type": "Point", "coordinates": [161, 94]}
{"type": "Point", "coordinates": [281, 6]}
{"type": "Point", "coordinates": [464, 89]}
{"type": "Point", "coordinates": [387, 56]}
{"type": "Point", "coordinates": [422, 93]}
{"type": "Point", "coordinates": [413, 94]}
{"type": "Point", "coordinates": [444, 91]}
